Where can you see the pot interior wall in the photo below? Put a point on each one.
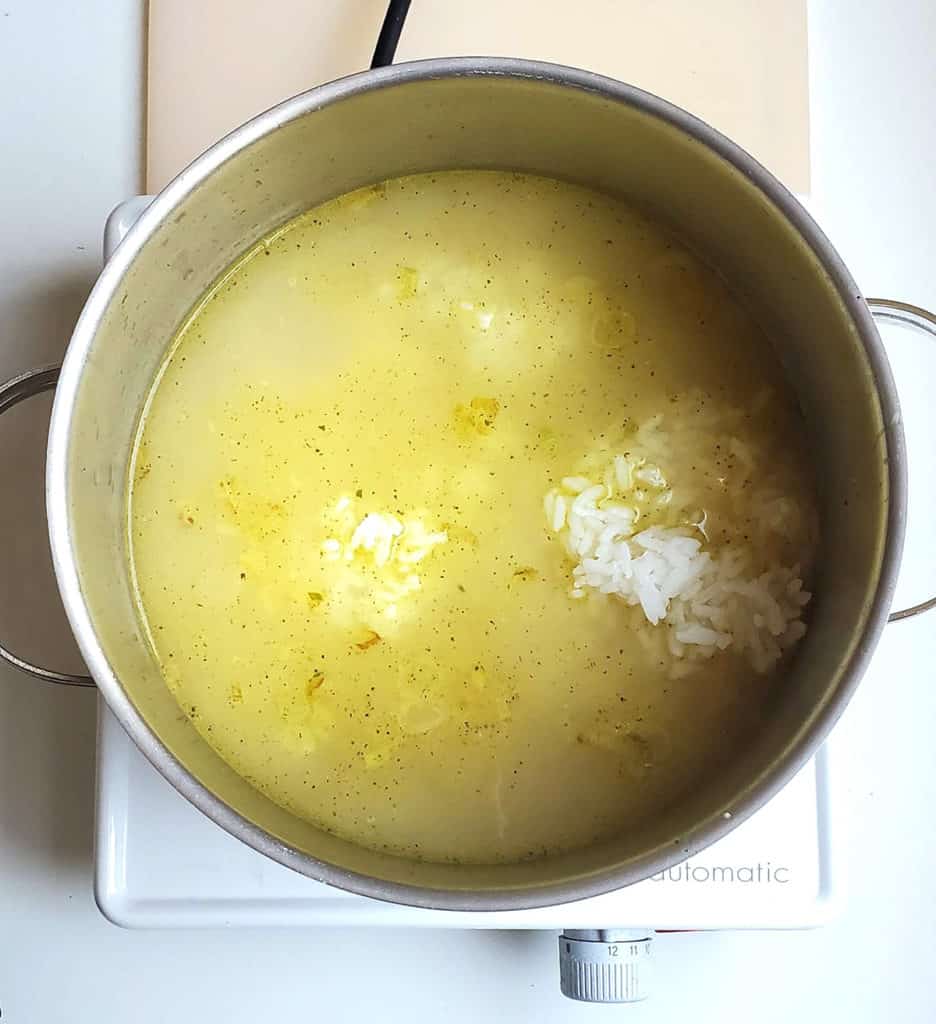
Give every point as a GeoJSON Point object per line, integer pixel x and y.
{"type": "Point", "coordinates": [493, 121]}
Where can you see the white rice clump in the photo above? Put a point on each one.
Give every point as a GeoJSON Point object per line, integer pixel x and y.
{"type": "Point", "coordinates": [381, 556]}
{"type": "Point", "coordinates": [704, 599]}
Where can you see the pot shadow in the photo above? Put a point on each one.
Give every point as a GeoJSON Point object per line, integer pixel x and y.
{"type": "Point", "coordinates": [46, 731]}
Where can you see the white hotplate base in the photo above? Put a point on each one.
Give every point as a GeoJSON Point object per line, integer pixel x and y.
{"type": "Point", "coordinates": [160, 863]}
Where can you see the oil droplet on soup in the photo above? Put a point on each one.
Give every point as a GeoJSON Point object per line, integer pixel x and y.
{"type": "Point", "coordinates": [337, 514]}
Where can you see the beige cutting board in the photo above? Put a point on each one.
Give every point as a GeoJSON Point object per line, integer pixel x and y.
{"type": "Point", "coordinates": [741, 65]}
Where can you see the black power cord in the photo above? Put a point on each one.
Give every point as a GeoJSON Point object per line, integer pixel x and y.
{"type": "Point", "coordinates": [390, 33]}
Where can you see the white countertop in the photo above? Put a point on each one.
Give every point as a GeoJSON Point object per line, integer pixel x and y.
{"type": "Point", "coordinates": [70, 89]}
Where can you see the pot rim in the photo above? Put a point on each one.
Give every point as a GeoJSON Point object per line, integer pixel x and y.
{"type": "Point", "coordinates": [760, 789]}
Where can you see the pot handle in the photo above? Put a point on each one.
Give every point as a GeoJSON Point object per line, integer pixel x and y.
{"type": "Point", "coordinates": [892, 312]}
{"type": "Point", "coordinates": [14, 391]}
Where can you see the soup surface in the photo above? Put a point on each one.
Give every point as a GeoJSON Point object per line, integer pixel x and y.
{"type": "Point", "coordinates": [361, 503]}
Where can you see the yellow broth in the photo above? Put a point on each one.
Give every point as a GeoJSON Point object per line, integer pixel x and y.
{"type": "Point", "coordinates": [442, 349]}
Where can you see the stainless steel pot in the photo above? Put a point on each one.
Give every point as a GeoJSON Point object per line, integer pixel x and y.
{"type": "Point", "coordinates": [530, 117]}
